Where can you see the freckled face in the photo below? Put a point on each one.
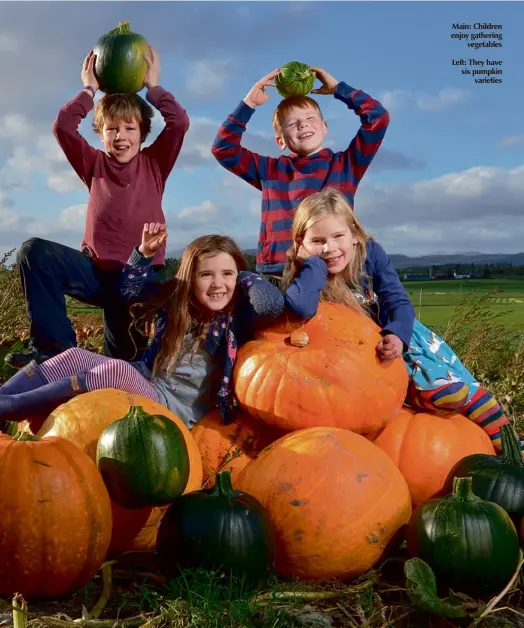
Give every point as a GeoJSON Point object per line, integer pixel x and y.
{"type": "Point", "coordinates": [303, 131]}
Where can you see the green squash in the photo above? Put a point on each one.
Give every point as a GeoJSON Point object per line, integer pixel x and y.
{"type": "Point", "coordinates": [120, 66]}
{"type": "Point", "coordinates": [295, 79]}
{"type": "Point", "coordinates": [217, 528]}
{"type": "Point", "coordinates": [143, 459]}
{"type": "Point", "coordinates": [498, 479]}
{"type": "Point", "coordinates": [9, 427]}
{"type": "Point", "coordinates": [471, 544]}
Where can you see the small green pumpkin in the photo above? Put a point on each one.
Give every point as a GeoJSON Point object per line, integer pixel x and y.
{"type": "Point", "coordinates": [120, 66]}
{"type": "Point", "coordinates": [218, 528]}
{"type": "Point", "coordinates": [143, 459]}
{"type": "Point", "coordinates": [498, 479]}
{"type": "Point", "coordinates": [471, 544]}
{"type": "Point", "coordinates": [295, 79]}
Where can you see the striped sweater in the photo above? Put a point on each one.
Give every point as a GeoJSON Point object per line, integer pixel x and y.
{"type": "Point", "coordinates": [286, 180]}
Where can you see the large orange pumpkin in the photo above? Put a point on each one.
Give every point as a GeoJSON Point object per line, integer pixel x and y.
{"type": "Point", "coordinates": [55, 518]}
{"type": "Point", "coordinates": [335, 500]}
{"type": "Point", "coordinates": [230, 446]}
{"type": "Point", "coordinates": [425, 447]}
{"type": "Point", "coordinates": [323, 372]}
{"type": "Point", "coordinates": [83, 419]}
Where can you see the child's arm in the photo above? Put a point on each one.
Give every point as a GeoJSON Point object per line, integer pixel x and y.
{"type": "Point", "coordinates": [137, 279]}
{"type": "Point", "coordinates": [166, 148]}
{"type": "Point", "coordinates": [264, 299]}
{"type": "Point", "coordinates": [78, 152]}
{"type": "Point", "coordinates": [227, 148]}
{"type": "Point", "coordinates": [391, 294]}
{"type": "Point", "coordinates": [303, 295]}
{"type": "Point", "coordinates": [373, 116]}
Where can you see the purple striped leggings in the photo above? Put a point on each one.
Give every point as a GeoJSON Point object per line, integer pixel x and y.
{"type": "Point", "coordinates": [99, 371]}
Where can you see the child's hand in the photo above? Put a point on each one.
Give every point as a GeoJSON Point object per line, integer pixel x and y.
{"type": "Point", "coordinates": [154, 236]}
{"type": "Point", "coordinates": [302, 254]}
{"type": "Point", "coordinates": [389, 348]}
{"type": "Point", "coordinates": [257, 94]}
{"type": "Point", "coordinates": [152, 76]}
{"type": "Point", "coordinates": [88, 71]}
{"type": "Point", "coordinates": [329, 83]}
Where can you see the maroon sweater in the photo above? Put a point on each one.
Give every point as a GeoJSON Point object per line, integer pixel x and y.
{"type": "Point", "coordinates": [122, 197]}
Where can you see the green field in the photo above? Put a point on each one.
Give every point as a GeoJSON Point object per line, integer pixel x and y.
{"type": "Point", "coordinates": [435, 300]}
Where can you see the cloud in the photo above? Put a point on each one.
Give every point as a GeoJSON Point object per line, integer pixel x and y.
{"type": "Point", "coordinates": [206, 77]}
{"type": "Point", "coordinates": [400, 99]}
{"type": "Point", "coordinates": [8, 44]}
{"type": "Point", "coordinates": [196, 215]}
{"type": "Point", "coordinates": [513, 141]}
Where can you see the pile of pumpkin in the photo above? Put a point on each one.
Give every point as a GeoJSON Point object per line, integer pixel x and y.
{"type": "Point", "coordinates": [316, 476]}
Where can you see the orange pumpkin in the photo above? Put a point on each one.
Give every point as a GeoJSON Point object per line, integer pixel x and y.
{"type": "Point", "coordinates": [425, 447]}
{"type": "Point", "coordinates": [55, 522]}
{"type": "Point", "coordinates": [83, 419]}
{"type": "Point", "coordinates": [323, 372]}
{"type": "Point", "coordinates": [334, 499]}
{"type": "Point", "coordinates": [230, 446]}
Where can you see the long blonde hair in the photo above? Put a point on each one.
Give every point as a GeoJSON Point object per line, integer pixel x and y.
{"type": "Point", "coordinates": [345, 286]}
{"type": "Point", "coordinates": [183, 313]}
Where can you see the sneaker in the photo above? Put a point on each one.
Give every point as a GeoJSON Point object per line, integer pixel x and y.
{"type": "Point", "coordinates": [19, 360]}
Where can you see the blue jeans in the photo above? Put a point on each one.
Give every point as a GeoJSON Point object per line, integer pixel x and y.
{"type": "Point", "coordinates": [48, 272]}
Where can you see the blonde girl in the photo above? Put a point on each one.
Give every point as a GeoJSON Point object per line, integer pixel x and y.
{"type": "Point", "coordinates": [333, 259]}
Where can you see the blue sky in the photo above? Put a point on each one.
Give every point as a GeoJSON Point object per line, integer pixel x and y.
{"type": "Point", "coordinates": [450, 173]}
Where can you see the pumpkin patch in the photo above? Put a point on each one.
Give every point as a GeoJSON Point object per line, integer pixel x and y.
{"type": "Point", "coordinates": [332, 378]}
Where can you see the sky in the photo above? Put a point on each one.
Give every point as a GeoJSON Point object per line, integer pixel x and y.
{"type": "Point", "coordinates": [449, 176]}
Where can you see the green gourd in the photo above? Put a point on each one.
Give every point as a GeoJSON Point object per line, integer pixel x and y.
{"type": "Point", "coordinates": [471, 544]}
{"type": "Point", "coordinates": [218, 528]}
{"type": "Point", "coordinates": [120, 66]}
{"type": "Point", "coordinates": [295, 79]}
{"type": "Point", "coordinates": [143, 460]}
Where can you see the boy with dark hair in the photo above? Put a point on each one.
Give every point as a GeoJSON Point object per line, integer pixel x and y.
{"type": "Point", "coordinates": [284, 181]}
{"type": "Point", "coordinates": [126, 184]}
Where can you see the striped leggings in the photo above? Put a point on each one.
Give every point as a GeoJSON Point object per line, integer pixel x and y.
{"type": "Point", "coordinates": [99, 371]}
{"type": "Point", "coordinates": [483, 409]}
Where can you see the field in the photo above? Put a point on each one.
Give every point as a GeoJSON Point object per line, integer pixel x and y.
{"type": "Point", "coordinates": [434, 301]}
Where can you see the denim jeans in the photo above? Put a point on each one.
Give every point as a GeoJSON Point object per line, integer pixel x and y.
{"type": "Point", "coordinates": [48, 272]}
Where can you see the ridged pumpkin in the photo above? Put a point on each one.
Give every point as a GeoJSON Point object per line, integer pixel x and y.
{"type": "Point", "coordinates": [295, 79]}
{"type": "Point", "coordinates": [120, 66]}
{"type": "Point", "coordinates": [55, 521]}
{"type": "Point", "coordinates": [425, 447]}
{"type": "Point", "coordinates": [82, 420]}
{"type": "Point", "coordinates": [324, 372]}
{"type": "Point", "coordinates": [143, 459]}
{"type": "Point", "coordinates": [334, 499]}
{"type": "Point", "coordinates": [471, 544]}
{"type": "Point", "coordinates": [238, 442]}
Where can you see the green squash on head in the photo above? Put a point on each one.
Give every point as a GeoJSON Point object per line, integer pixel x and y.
{"type": "Point", "coordinates": [471, 544]}
{"type": "Point", "coordinates": [498, 479]}
{"type": "Point", "coordinates": [120, 66]}
{"type": "Point", "coordinates": [295, 79]}
{"type": "Point", "coordinates": [218, 528]}
{"type": "Point", "coordinates": [143, 460]}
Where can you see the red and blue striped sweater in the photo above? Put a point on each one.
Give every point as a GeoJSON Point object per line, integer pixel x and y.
{"type": "Point", "coordinates": [286, 180]}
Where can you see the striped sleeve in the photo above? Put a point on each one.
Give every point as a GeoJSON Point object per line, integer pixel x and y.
{"type": "Point", "coordinates": [374, 123]}
{"type": "Point", "coordinates": [230, 154]}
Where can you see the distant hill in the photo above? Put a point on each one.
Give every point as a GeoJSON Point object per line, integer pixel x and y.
{"type": "Point", "coordinates": [436, 259]}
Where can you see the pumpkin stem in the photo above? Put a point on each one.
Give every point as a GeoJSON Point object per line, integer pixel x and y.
{"type": "Point", "coordinates": [122, 29]}
{"type": "Point", "coordinates": [223, 487]}
{"type": "Point", "coordinates": [462, 488]}
{"type": "Point", "coordinates": [511, 452]}
{"type": "Point", "coordinates": [22, 436]}
{"type": "Point", "coordinates": [298, 338]}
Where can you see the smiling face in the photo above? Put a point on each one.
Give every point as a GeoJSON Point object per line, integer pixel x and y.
{"type": "Point", "coordinates": [121, 139]}
{"type": "Point", "coordinates": [215, 280]}
{"type": "Point", "coordinates": [302, 131]}
{"type": "Point", "coordinates": [332, 240]}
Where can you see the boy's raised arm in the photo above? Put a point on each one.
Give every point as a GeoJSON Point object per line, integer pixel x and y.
{"type": "Point", "coordinates": [78, 152]}
{"type": "Point", "coordinates": [227, 148]}
{"type": "Point", "coordinates": [166, 148]}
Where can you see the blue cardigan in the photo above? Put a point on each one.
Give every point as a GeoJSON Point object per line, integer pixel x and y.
{"type": "Point", "coordinates": [391, 309]}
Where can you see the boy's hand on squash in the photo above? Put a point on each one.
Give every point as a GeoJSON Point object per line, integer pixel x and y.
{"type": "Point", "coordinates": [257, 94]}
{"type": "Point", "coordinates": [154, 235]}
{"type": "Point", "coordinates": [152, 77]}
{"type": "Point", "coordinates": [329, 83]}
{"type": "Point", "coordinates": [88, 71]}
{"type": "Point", "coordinates": [389, 348]}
